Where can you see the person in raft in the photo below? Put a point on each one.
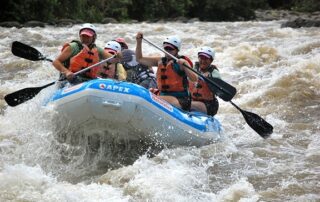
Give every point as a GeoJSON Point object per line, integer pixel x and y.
{"type": "Point", "coordinates": [203, 99]}
{"type": "Point", "coordinates": [113, 70]}
{"type": "Point", "coordinates": [172, 76]}
{"type": "Point", "coordinates": [77, 55]}
{"type": "Point", "coordinates": [136, 72]}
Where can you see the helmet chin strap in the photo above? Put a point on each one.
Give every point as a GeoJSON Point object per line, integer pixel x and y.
{"type": "Point", "coordinates": [92, 43]}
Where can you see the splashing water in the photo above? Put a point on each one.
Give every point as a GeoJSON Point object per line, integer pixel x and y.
{"type": "Point", "coordinates": [275, 70]}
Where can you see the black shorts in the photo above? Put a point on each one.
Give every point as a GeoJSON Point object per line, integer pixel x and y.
{"type": "Point", "coordinates": [212, 106]}
{"type": "Point", "coordinates": [185, 102]}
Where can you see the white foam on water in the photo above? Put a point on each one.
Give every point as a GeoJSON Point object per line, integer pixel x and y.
{"type": "Point", "coordinates": [22, 182]}
{"type": "Point", "coordinates": [275, 70]}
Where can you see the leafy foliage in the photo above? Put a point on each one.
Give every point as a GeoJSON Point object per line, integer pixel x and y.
{"type": "Point", "coordinates": [95, 11]}
{"type": "Point", "coordinates": [306, 5]}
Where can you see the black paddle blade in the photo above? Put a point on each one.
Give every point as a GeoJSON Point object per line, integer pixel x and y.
{"type": "Point", "coordinates": [22, 50]}
{"type": "Point", "coordinates": [23, 95]}
{"type": "Point", "coordinates": [221, 88]}
{"type": "Point", "coordinates": [262, 127]}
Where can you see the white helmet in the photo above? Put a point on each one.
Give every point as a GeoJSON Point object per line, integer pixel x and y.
{"type": "Point", "coordinates": [88, 26]}
{"type": "Point", "coordinates": [173, 40]}
{"type": "Point", "coordinates": [207, 51]}
{"type": "Point", "coordinates": [113, 45]}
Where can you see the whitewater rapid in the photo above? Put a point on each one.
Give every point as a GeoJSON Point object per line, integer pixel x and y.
{"type": "Point", "coordinates": [275, 70]}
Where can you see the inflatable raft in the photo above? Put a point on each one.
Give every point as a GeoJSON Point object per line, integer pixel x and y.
{"type": "Point", "coordinates": [129, 111]}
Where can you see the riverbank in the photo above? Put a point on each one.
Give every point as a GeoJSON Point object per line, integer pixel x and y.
{"type": "Point", "coordinates": [269, 15]}
{"type": "Point", "coordinates": [291, 19]}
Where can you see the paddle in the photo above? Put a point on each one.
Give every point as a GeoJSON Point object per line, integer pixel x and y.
{"type": "Point", "coordinates": [263, 128]}
{"type": "Point", "coordinates": [25, 51]}
{"type": "Point", "coordinates": [23, 95]}
{"type": "Point", "coordinates": [226, 92]}
{"type": "Point", "coordinates": [222, 89]}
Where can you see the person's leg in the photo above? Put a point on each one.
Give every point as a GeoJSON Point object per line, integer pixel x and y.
{"type": "Point", "coordinates": [198, 106]}
{"type": "Point", "coordinates": [172, 100]}
{"type": "Point", "coordinates": [212, 107]}
{"type": "Point", "coordinates": [185, 103]}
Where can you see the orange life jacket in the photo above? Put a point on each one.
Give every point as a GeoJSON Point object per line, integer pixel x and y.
{"type": "Point", "coordinates": [171, 79]}
{"type": "Point", "coordinates": [85, 58]}
{"type": "Point", "coordinates": [200, 90]}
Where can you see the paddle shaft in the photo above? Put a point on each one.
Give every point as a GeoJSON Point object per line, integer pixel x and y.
{"type": "Point", "coordinates": [23, 95]}
{"type": "Point", "coordinates": [175, 58]}
{"type": "Point", "coordinates": [48, 59]}
{"type": "Point", "coordinates": [83, 70]}
{"type": "Point", "coordinates": [94, 65]}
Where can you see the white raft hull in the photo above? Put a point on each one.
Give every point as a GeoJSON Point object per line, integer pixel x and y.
{"type": "Point", "coordinates": [128, 111]}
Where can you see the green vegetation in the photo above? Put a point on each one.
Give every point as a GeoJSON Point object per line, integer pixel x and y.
{"type": "Point", "coordinates": [306, 5]}
{"type": "Point", "coordinates": [122, 10]}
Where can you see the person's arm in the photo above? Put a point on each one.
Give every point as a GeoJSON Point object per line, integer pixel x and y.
{"type": "Point", "coordinates": [122, 74]}
{"type": "Point", "coordinates": [216, 74]}
{"type": "Point", "coordinates": [58, 63]}
{"type": "Point", "coordinates": [190, 74]}
{"type": "Point", "coordinates": [148, 61]}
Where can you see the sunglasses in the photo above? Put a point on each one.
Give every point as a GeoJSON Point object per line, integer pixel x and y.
{"type": "Point", "coordinates": [169, 48]}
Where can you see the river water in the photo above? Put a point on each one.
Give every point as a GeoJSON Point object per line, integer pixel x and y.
{"type": "Point", "coordinates": [276, 72]}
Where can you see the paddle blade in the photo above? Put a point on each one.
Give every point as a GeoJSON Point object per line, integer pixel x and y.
{"type": "Point", "coordinates": [221, 88]}
{"type": "Point", "coordinates": [22, 50]}
{"type": "Point", "coordinates": [263, 128]}
{"type": "Point", "coordinates": [23, 95]}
